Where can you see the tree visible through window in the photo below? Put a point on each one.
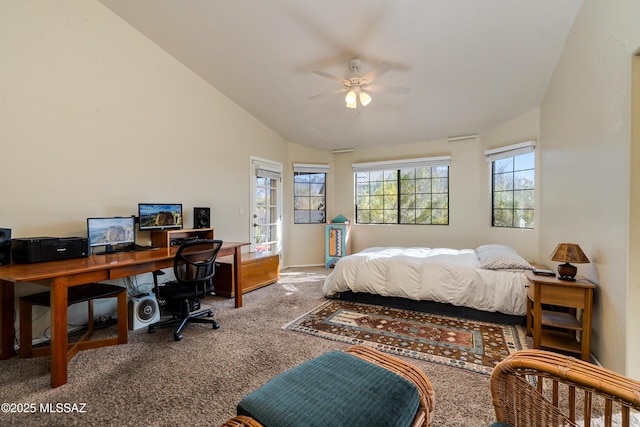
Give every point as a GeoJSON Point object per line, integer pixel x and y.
{"type": "Point", "coordinates": [417, 195]}
{"type": "Point", "coordinates": [513, 191]}
{"type": "Point", "coordinates": [309, 197]}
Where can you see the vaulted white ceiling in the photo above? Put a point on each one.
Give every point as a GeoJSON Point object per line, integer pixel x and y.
{"type": "Point", "coordinates": [470, 64]}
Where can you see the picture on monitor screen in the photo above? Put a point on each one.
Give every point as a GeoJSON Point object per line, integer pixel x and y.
{"type": "Point", "coordinates": [156, 216]}
{"type": "Point", "coordinates": [111, 231]}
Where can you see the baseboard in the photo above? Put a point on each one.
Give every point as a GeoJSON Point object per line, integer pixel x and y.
{"type": "Point", "coordinates": [301, 266]}
{"type": "Point", "coordinates": [44, 341]}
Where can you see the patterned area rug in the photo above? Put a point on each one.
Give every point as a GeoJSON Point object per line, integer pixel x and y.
{"type": "Point", "coordinates": [467, 344]}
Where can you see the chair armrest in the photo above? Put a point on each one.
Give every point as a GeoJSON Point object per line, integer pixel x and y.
{"type": "Point", "coordinates": [530, 385]}
{"type": "Point", "coordinates": [241, 421]}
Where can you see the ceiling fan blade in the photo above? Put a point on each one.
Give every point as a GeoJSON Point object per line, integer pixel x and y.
{"type": "Point", "coordinates": [331, 92]}
{"type": "Point", "coordinates": [387, 89]}
{"type": "Point", "coordinates": [376, 72]}
{"type": "Point", "coordinates": [332, 77]}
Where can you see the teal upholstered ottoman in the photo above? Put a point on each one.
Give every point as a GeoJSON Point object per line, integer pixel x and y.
{"type": "Point", "coordinates": [339, 389]}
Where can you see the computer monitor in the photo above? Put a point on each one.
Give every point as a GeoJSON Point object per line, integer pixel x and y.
{"type": "Point", "coordinates": [160, 216]}
{"type": "Point", "coordinates": [111, 232]}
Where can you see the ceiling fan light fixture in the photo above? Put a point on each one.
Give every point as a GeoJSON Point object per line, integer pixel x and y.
{"type": "Point", "coordinates": [355, 83]}
{"type": "Point", "coordinates": [365, 98]}
{"type": "Point", "coordinates": [351, 98]}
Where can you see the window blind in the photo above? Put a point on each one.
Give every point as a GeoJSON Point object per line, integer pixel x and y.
{"type": "Point", "coordinates": [402, 164]}
{"type": "Point", "coordinates": [310, 168]}
{"type": "Point", "coordinates": [267, 173]}
{"type": "Point", "coordinates": [509, 151]}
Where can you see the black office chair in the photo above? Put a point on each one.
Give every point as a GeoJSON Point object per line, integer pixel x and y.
{"type": "Point", "coordinates": [194, 267]}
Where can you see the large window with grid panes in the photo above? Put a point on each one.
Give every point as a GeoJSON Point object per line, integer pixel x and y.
{"type": "Point", "coordinates": [413, 191]}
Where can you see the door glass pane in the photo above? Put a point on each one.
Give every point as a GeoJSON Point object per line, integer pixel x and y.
{"type": "Point", "coordinates": [266, 216]}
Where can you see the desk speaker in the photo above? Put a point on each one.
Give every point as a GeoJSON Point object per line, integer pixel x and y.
{"type": "Point", "coordinates": [201, 217]}
{"type": "Point", "coordinates": [143, 311]}
{"type": "Point", "coordinates": [5, 246]}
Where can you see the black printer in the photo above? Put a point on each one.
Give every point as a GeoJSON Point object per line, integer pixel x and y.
{"type": "Point", "coordinates": [40, 249]}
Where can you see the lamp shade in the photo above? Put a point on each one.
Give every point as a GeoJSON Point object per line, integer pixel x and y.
{"type": "Point", "coordinates": [351, 98]}
{"type": "Point", "coordinates": [568, 253]}
{"type": "Point", "coordinates": [365, 98]}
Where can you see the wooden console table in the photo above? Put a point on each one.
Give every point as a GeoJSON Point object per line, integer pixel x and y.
{"type": "Point", "coordinates": [60, 275]}
{"type": "Point", "coordinates": [258, 270]}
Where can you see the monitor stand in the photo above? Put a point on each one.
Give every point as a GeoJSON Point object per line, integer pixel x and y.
{"type": "Point", "coordinates": [109, 249]}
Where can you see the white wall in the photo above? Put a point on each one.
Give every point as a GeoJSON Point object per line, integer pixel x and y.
{"type": "Point", "coordinates": [94, 118]}
{"type": "Point", "coordinates": [633, 298]}
{"type": "Point", "coordinates": [469, 193]}
{"type": "Point", "coordinates": [585, 140]}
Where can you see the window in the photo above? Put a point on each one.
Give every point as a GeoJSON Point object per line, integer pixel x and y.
{"type": "Point", "coordinates": [403, 192]}
{"type": "Point", "coordinates": [513, 185]}
{"type": "Point", "coordinates": [309, 191]}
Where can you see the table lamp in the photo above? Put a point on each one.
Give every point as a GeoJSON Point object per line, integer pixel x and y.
{"type": "Point", "coordinates": [567, 253]}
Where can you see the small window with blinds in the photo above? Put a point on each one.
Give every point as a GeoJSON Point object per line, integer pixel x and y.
{"type": "Point", "coordinates": [413, 191]}
{"type": "Point", "coordinates": [309, 193]}
{"type": "Point", "coordinates": [512, 185]}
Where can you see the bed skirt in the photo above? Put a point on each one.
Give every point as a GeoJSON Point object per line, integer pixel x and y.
{"type": "Point", "coordinates": [433, 307]}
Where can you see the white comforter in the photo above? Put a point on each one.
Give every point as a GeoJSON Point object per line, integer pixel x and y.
{"type": "Point", "coordinates": [441, 275]}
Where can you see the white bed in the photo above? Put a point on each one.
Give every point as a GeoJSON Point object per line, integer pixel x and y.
{"type": "Point", "coordinates": [458, 277]}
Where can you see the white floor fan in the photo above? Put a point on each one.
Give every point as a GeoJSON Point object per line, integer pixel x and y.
{"type": "Point", "coordinates": [358, 86]}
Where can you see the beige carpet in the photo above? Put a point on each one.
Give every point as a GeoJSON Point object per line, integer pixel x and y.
{"type": "Point", "coordinates": [155, 381]}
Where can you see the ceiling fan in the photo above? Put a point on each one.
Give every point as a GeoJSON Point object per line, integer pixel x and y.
{"type": "Point", "coordinates": [358, 87]}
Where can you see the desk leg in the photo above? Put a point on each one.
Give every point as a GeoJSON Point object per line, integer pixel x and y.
{"type": "Point", "coordinates": [123, 318]}
{"type": "Point", "coordinates": [237, 276]}
{"type": "Point", "coordinates": [59, 338]}
{"type": "Point", "coordinates": [6, 319]}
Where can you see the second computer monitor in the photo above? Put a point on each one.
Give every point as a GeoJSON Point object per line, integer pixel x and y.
{"type": "Point", "coordinates": [111, 232]}
{"type": "Point", "coordinates": [160, 216]}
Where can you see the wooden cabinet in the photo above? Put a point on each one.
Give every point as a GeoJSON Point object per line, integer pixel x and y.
{"type": "Point", "coordinates": [167, 238]}
{"type": "Point", "coordinates": [559, 328]}
{"type": "Point", "coordinates": [257, 270]}
{"type": "Point", "coordinates": [337, 242]}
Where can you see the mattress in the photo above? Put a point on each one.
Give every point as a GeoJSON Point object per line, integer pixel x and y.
{"type": "Point", "coordinates": [452, 276]}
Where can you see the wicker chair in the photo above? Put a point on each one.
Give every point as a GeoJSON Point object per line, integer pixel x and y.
{"type": "Point", "coordinates": [423, 417]}
{"type": "Point", "coordinates": [535, 388]}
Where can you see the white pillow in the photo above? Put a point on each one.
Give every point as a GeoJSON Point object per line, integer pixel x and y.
{"type": "Point", "coordinates": [501, 257]}
{"type": "Point", "coordinates": [495, 248]}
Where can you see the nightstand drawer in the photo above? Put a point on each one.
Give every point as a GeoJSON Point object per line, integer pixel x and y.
{"type": "Point", "coordinates": [563, 295]}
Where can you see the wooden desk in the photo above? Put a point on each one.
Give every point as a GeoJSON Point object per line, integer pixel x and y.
{"type": "Point", "coordinates": [564, 325]}
{"type": "Point", "coordinates": [59, 275]}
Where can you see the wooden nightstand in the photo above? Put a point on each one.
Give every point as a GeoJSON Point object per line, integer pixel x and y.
{"type": "Point", "coordinates": [558, 329]}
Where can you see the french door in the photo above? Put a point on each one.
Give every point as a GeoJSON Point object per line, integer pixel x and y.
{"type": "Point", "coordinates": [266, 206]}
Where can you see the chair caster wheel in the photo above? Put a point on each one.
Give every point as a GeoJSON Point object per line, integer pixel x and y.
{"type": "Point", "coordinates": [215, 325]}
{"type": "Point", "coordinates": [177, 337]}
{"type": "Point", "coordinates": [209, 314]}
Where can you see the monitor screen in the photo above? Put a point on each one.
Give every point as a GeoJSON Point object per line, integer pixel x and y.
{"type": "Point", "coordinates": [156, 216]}
{"type": "Point", "coordinates": [111, 231]}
